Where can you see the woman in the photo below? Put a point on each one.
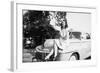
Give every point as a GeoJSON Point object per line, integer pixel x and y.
{"type": "Point", "coordinates": [61, 43]}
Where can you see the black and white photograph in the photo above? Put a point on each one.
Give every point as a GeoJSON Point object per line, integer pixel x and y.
{"type": "Point", "coordinates": [55, 36]}
{"type": "Point", "coordinates": [52, 36]}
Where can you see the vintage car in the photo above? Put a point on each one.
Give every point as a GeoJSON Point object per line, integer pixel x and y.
{"type": "Point", "coordinates": [77, 48]}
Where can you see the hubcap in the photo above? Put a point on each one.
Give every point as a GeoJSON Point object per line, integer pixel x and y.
{"type": "Point", "coordinates": [73, 58]}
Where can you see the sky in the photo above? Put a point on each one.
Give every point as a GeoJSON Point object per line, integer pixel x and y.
{"type": "Point", "coordinates": [79, 21]}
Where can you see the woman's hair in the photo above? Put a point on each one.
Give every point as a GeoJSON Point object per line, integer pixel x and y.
{"type": "Point", "coordinates": [62, 21]}
{"type": "Point", "coordinates": [60, 18]}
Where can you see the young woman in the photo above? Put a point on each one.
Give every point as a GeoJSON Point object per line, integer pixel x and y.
{"type": "Point", "coordinates": [59, 23]}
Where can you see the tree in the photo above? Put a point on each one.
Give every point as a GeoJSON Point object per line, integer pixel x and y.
{"type": "Point", "coordinates": [36, 24]}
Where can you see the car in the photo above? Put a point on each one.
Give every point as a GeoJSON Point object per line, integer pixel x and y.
{"type": "Point", "coordinates": [76, 48]}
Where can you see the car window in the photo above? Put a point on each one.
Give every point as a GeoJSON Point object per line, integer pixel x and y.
{"type": "Point", "coordinates": [75, 35]}
{"type": "Point", "coordinates": [86, 36]}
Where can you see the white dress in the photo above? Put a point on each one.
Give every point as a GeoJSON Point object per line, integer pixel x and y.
{"type": "Point", "coordinates": [63, 44]}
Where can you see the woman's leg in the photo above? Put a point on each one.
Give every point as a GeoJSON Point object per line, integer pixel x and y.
{"type": "Point", "coordinates": [55, 50]}
{"type": "Point", "coordinates": [48, 56]}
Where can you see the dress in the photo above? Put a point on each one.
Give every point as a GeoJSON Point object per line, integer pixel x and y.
{"type": "Point", "coordinates": [63, 43]}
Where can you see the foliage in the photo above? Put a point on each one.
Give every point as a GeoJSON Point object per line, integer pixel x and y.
{"type": "Point", "coordinates": [36, 24]}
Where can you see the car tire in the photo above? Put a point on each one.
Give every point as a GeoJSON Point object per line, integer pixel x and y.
{"type": "Point", "coordinates": [73, 57]}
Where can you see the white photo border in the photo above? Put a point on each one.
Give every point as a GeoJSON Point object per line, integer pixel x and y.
{"type": "Point", "coordinates": [18, 65]}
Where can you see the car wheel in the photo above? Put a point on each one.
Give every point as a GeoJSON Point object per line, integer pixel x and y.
{"type": "Point", "coordinates": [73, 57]}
